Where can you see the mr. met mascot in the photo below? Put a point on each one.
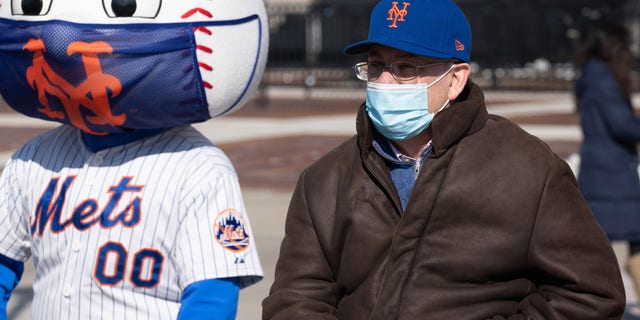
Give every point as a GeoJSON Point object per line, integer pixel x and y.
{"type": "Point", "coordinates": [125, 209]}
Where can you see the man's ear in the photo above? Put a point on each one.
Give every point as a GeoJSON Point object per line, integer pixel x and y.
{"type": "Point", "coordinates": [460, 76]}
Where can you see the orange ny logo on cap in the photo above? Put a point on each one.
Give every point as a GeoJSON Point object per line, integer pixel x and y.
{"type": "Point", "coordinates": [395, 14]}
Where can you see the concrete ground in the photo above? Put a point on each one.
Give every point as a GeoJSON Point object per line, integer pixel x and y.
{"type": "Point", "coordinates": [282, 131]}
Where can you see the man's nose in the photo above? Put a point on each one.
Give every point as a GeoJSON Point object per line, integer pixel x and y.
{"type": "Point", "coordinates": [386, 77]}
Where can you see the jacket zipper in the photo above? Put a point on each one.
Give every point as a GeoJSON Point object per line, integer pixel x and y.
{"type": "Point", "coordinates": [372, 169]}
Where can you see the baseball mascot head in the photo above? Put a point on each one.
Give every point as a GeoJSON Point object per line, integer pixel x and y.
{"type": "Point", "coordinates": [116, 66]}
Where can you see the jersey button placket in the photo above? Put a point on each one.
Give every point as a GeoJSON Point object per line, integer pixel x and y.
{"type": "Point", "coordinates": [67, 292]}
{"type": "Point", "coordinates": [75, 246]}
{"type": "Point", "coordinates": [90, 181]}
{"type": "Point", "coordinates": [97, 160]}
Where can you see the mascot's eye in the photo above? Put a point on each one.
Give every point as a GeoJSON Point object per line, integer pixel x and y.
{"type": "Point", "coordinates": [30, 7]}
{"type": "Point", "coordinates": [131, 8]}
{"type": "Point", "coordinates": [123, 8]}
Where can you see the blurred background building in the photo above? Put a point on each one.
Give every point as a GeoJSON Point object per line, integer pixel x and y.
{"type": "Point", "coordinates": [520, 44]}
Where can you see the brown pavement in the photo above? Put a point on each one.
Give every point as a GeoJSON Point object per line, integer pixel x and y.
{"type": "Point", "coordinates": [275, 162]}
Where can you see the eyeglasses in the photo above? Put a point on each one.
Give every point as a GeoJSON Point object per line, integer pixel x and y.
{"type": "Point", "coordinates": [401, 71]}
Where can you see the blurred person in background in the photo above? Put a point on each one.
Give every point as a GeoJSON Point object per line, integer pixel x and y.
{"type": "Point", "coordinates": [436, 209]}
{"type": "Point", "coordinates": [608, 172]}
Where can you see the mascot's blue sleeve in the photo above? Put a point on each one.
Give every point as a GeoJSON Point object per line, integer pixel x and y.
{"type": "Point", "coordinates": [210, 299]}
{"type": "Point", "coordinates": [10, 274]}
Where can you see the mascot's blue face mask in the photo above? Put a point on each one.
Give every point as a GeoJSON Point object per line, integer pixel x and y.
{"type": "Point", "coordinates": [109, 78]}
{"type": "Point", "coordinates": [95, 77]}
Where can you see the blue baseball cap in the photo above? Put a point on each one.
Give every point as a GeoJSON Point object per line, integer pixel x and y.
{"type": "Point", "coordinates": [431, 28]}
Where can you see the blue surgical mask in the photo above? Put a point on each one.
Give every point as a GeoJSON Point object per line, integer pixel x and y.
{"type": "Point", "coordinates": [400, 111]}
{"type": "Point", "coordinates": [102, 78]}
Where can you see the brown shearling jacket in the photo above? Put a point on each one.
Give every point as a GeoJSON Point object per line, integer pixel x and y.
{"type": "Point", "coordinates": [495, 229]}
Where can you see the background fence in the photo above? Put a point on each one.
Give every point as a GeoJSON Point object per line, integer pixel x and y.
{"type": "Point", "coordinates": [520, 44]}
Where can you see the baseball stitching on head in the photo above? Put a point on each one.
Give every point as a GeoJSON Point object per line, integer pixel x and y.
{"type": "Point", "coordinates": [204, 67]}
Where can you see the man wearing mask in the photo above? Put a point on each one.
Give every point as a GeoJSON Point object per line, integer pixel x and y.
{"type": "Point", "coordinates": [436, 209]}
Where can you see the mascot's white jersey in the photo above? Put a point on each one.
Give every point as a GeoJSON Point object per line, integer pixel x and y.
{"type": "Point", "coordinates": [120, 233]}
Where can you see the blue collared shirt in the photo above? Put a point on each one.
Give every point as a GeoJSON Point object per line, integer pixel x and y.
{"type": "Point", "coordinates": [404, 169]}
